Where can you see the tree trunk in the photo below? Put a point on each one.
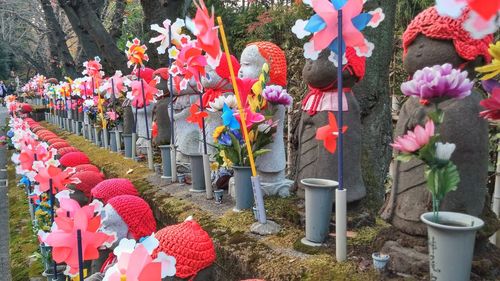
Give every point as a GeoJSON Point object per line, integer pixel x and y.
{"type": "Point", "coordinates": [156, 11]}
{"type": "Point", "coordinates": [90, 23]}
{"type": "Point", "coordinates": [117, 20]}
{"type": "Point", "coordinates": [89, 48]}
{"type": "Point", "coordinates": [57, 40]}
{"type": "Point", "coordinates": [375, 102]}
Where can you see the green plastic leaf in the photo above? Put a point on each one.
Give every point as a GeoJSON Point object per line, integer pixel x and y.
{"type": "Point", "coordinates": [442, 180]}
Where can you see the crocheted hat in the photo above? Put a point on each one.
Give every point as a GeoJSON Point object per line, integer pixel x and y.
{"type": "Point", "coordinates": [223, 69]}
{"type": "Point", "coordinates": [26, 108]}
{"type": "Point", "coordinates": [59, 144]}
{"type": "Point", "coordinates": [432, 25]}
{"type": "Point", "coordinates": [136, 213]}
{"type": "Point", "coordinates": [65, 150]}
{"type": "Point", "coordinates": [35, 129]}
{"type": "Point", "coordinates": [73, 159]}
{"type": "Point", "coordinates": [86, 167]}
{"type": "Point", "coordinates": [355, 64]}
{"type": "Point", "coordinates": [191, 246]}
{"type": "Point", "coordinates": [276, 59]}
{"type": "Point", "coordinates": [88, 180]}
{"type": "Point", "coordinates": [54, 140]}
{"type": "Point", "coordinates": [110, 188]}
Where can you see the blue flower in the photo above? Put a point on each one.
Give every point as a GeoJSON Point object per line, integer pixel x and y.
{"type": "Point", "coordinates": [10, 133]}
{"type": "Point", "coordinates": [225, 139]}
{"type": "Point", "coordinates": [238, 136]}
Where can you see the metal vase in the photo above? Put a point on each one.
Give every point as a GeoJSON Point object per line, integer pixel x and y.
{"type": "Point", "coordinates": [166, 161]}
{"type": "Point", "coordinates": [243, 188]}
{"type": "Point", "coordinates": [197, 173]}
{"type": "Point", "coordinates": [112, 141]}
{"type": "Point", "coordinates": [319, 203]}
{"type": "Point", "coordinates": [127, 141]}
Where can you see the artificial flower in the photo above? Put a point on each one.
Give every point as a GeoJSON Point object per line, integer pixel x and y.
{"type": "Point", "coordinates": [490, 84]}
{"type": "Point", "coordinates": [136, 53]}
{"type": "Point", "coordinates": [251, 117]}
{"type": "Point", "coordinates": [493, 69]}
{"type": "Point", "coordinates": [437, 82]}
{"type": "Point", "coordinates": [492, 106]}
{"type": "Point", "coordinates": [225, 139]}
{"type": "Point", "coordinates": [226, 161]}
{"type": "Point", "coordinates": [245, 89]}
{"type": "Point", "coordinates": [164, 37]}
{"type": "Point", "coordinates": [217, 132]}
{"type": "Point", "coordinates": [277, 95]}
{"type": "Point", "coordinates": [196, 116]}
{"type": "Point", "coordinates": [478, 27]}
{"type": "Point", "coordinates": [416, 139]}
{"type": "Point", "coordinates": [444, 151]}
{"type": "Point", "coordinates": [228, 118]}
{"type": "Point", "coordinates": [218, 103]}
{"type": "Point", "coordinates": [329, 133]}
{"type": "Point", "coordinates": [112, 115]}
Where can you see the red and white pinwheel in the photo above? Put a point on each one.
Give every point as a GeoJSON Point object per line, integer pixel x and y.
{"type": "Point", "coordinates": [329, 133]}
{"type": "Point", "coordinates": [47, 172]}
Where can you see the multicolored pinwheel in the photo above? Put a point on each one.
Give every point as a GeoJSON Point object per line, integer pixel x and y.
{"type": "Point", "coordinates": [136, 53]}
{"type": "Point", "coordinates": [324, 27]}
{"type": "Point", "coordinates": [93, 68]}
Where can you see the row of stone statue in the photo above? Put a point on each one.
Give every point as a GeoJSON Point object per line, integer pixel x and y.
{"type": "Point", "coordinates": [429, 40]}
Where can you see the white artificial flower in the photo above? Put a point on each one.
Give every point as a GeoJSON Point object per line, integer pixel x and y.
{"type": "Point", "coordinates": [299, 28]}
{"type": "Point", "coordinates": [444, 150]}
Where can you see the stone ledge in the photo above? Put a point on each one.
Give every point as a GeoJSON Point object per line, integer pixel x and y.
{"type": "Point", "coordinates": [240, 254]}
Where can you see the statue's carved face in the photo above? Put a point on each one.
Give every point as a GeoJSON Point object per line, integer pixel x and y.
{"type": "Point", "coordinates": [426, 52]}
{"type": "Point", "coordinates": [251, 63]}
{"type": "Point", "coordinates": [321, 73]}
{"type": "Point", "coordinates": [112, 222]}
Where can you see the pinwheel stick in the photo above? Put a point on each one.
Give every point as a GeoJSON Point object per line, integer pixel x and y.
{"type": "Point", "coordinates": [52, 202]}
{"type": "Point", "coordinates": [144, 104]}
{"type": "Point", "coordinates": [238, 99]}
{"type": "Point", "coordinates": [173, 163]}
{"type": "Point", "coordinates": [80, 254]}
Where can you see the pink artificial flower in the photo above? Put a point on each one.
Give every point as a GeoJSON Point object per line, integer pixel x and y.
{"type": "Point", "coordinates": [250, 117]}
{"type": "Point", "coordinates": [492, 106]}
{"type": "Point", "coordinates": [112, 115]}
{"type": "Point", "coordinates": [416, 139]}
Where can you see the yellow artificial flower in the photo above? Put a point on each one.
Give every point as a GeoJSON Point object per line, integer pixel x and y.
{"type": "Point", "coordinates": [252, 135]}
{"type": "Point", "coordinates": [493, 69]}
{"type": "Point", "coordinates": [217, 133]}
{"type": "Point", "coordinates": [214, 166]}
{"type": "Point", "coordinates": [227, 162]}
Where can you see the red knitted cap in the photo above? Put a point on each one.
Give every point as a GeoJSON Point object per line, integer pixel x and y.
{"type": "Point", "coordinates": [73, 159]}
{"type": "Point", "coordinates": [26, 108]}
{"type": "Point", "coordinates": [355, 64]}
{"type": "Point", "coordinates": [88, 180]}
{"type": "Point", "coordinates": [136, 213]}
{"type": "Point", "coordinates": [51, 141]}
{"type": "Point", "coordinates": [191, 246]}
{"type": "Point", "coordinates": [65, 150]}
{"type": "Point", "coordinates": [276, 59]}
{"type": "Point", "coordinates": [37, 128]}
{"type": "Point", "coordinates": [110, 188]}
{"type": "Point", "coordinates": [432, 25]}
{"type": "Point", "coordinates": [87, 167]}
{"type": "Point", "coordinates": [223, 69]}
{"type": "Point", "coordinates": [59, 144]}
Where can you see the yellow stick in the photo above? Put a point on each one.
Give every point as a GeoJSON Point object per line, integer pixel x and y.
{"type": "Point", "coordinates": [237, 93]}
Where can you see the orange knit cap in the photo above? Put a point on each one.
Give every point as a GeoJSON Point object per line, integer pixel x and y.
{"type": "Point", "coordinates": [191, 246]}
{"type": "Point", "coordinates": [276, 59]}
{"type": "Point", "coordinates": [432, 25]}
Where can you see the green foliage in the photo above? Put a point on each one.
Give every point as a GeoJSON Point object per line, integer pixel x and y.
{"type": "Point", "coordinates": [133, 26]}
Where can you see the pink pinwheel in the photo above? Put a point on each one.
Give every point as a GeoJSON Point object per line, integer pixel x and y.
{"type": "Point", "coordinates": [63, 237]}
{"type": "Point", "coordinates": [416, 139]}
{"type": "Point", "coordinates": [136, 95]}
{"type": "Point", "coordinates": [60, 179]}
{"type": "Point", "coordinates": [324, 27]}
{"type": "Point", "coordinates": [329, 133]}
{"type": "Point", "coordinates": [93, 68]}
{"type": "Point", "coordinates": [207, 33]}
{"type": "Point", "coordinates": [134, 262]}
{"type": "Point", "coordinates": [86, 89]}
{"type": "Point", "coordinates": [190, 63]}
{"type": "Point", "coordinates": [118, 81]}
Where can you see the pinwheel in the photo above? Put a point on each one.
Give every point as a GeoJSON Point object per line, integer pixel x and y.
{"type": "Point", "coordinates": [203, 27]}
{"type": "Point", "coordinates": [134, 262]}
{"type": "Point", "coordinates": [136, 53]}
{"type": "Point", "coordinates": [482, 18]}
{"type": "Point", "coordinates": [196, 116]}
{"type": "Point", "coordinates": [118, 81]}
{"type": "Point", "coordinates": [164, 37]}
{"type": "Point", "coordinates": [63, 237]}
{"type": "Point", "coordinates": [228, 118]}
{"type": "Point", "coordinates": [48, 172]}
{"type": "Point", "coordinates": [324, 27]}
{"type": "Point", "coordinates": [329, 133]}
{"type": "Point", "coordinates": [136, 94]}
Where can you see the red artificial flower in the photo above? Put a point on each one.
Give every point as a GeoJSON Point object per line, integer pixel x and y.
{"type": "Point", "coordinates": [329, 133]}
{"type": "Point", "coordinates": [196, 115]}
{"type": "Point", "coordinates": [492, 106]}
